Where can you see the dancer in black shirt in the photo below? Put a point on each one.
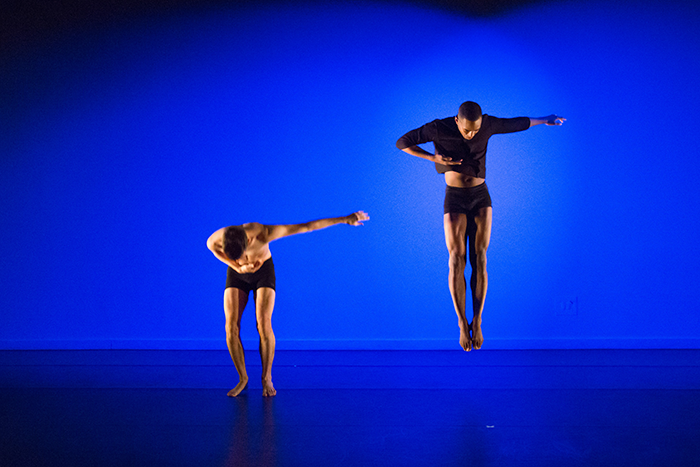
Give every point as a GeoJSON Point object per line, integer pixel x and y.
{"type": "Point", "coordinates": [460, 153]}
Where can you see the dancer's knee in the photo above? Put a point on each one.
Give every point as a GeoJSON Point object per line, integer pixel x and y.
{"type": "Point", "coordinates": [457, 259]}
{"type": "Point", "coordinates": [480, 258]}
{"type": "Point", "coordinates": [232, 328]}
{"type": "Point", "coordinates": [265, 328]}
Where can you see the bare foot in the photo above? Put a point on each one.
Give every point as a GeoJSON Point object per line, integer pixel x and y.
{"type": "Point", "coordinates": [477, 336]}
{"type": "Point", "coordinates": [464, 340]}
{"type": "Point", "coordinates": [242, 384]}
{"type": "Point", "coordinates": [268, 389]}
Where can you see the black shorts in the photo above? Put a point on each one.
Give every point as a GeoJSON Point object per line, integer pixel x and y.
{"type": "Point", "coordinates": [263, 277]}
{"type": "Point", "coordinates": [467, 200]}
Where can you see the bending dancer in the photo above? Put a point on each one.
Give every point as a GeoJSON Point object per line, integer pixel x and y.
{"type": "Point", "coordinates": [460, 153]}
{"type": "Point", "coordinates": [245, 250]}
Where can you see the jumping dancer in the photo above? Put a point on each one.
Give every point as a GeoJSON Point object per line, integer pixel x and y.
{"type": "Point", "coordinates": [460, 153]}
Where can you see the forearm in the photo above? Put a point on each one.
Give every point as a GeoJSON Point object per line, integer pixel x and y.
{"type": "Point", "coordinates": [419, 152]}
{"type": "Point", "coordinates": [538, 121]}
{"type": "Point", "coordinates": [322, 223]}
{"type": "Point", "coordinates": [218, 251]}
{"type": "Point", "coordinates": [551, 120]}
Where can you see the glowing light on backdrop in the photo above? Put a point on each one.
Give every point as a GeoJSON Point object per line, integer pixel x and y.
{"type": "Point", "coordinates": [132, 144]}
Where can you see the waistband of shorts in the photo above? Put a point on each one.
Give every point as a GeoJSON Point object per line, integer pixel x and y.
{"type": "Point", "coordinates": [466, 189]}
{"type": "Point", "coordinates": [267, 263]}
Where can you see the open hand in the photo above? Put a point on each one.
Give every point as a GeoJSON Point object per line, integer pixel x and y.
{"type": "Point", "coordinates": [357, 218]}
{"type": "Point", "coordinates": [555, 120]}
{"type": "Point", "coordinates": [440, 159]}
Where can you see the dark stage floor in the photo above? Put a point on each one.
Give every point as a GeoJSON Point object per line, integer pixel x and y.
{"type": "Point", "coordinates": [404, 408]}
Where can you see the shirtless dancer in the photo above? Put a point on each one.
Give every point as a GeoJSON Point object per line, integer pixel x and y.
{"type": "Point", "coordinates": [245, 250]}
{"type": "Point", "coordinates": [460, 153]}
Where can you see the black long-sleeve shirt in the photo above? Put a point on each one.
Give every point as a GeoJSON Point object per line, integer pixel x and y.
{"type": "Point", "coordinates": [449, 142]}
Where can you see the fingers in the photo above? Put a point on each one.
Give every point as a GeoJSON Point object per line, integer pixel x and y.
{"type": "Point", "coordinates": [556, 120]}
{"type": "Point", "coordinates": [360, 216]}
{"type": "Point", "coordinates": [447, 160]}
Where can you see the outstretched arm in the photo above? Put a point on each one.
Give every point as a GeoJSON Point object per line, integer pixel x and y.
{"type": "Point", "coordinates": [552, 120]}
{"type": "Point", "coordinates": [273, 232]}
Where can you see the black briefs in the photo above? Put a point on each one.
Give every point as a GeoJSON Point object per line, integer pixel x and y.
{"type": "Point", "coordinates": [263, 277]}
{"type": "Point", "coordinates": [467, 200]}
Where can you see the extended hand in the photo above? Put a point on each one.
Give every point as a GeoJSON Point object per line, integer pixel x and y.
{"type": "Point", "coordinates": [357, 218]}
{"type": "Point", "coordinates": [440, 159]}
{"type": "Point", "coordinates": [555, 120]}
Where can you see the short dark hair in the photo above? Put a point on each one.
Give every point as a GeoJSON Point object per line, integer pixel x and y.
{"type": "Point", "coordinates": [470, 111]}
{"type": "Point", "coordinates": [234, 242]}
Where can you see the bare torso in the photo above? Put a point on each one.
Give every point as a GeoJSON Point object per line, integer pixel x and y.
{"type": "Point", "coordinates": [458, 180]}
{"type": "Point", "coordinates": [257, 252]}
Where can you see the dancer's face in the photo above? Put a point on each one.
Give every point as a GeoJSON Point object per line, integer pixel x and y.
{"type": "Point", "coordinates": [468, 128]}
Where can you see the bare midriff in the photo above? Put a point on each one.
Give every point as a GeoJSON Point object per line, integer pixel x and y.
{"type": "Point", "coordinates": [458, 180]}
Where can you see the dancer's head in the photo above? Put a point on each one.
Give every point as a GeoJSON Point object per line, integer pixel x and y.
{"type": "Point", "coordinates": [469, 119]}
{"type": "Point", "coordinates": [234, 242]}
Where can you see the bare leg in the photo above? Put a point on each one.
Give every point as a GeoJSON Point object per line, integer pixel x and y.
{"type": "Point", "coordinates": [264, 304]}
{"type": "Point", "coordinates": [234, 303]}
{"type": "Point", "coordinates": [455, 231]}
{"type": "Point", "coordinates": [478, 244]}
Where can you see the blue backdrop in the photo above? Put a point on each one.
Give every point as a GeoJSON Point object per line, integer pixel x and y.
{"type": "Point", "coordinates": [125, 146]}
